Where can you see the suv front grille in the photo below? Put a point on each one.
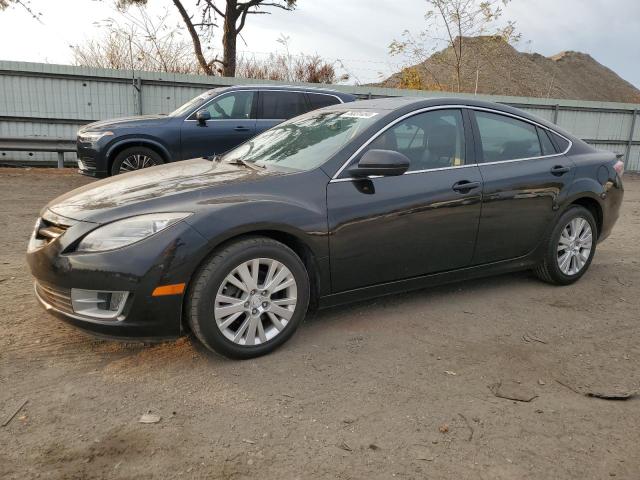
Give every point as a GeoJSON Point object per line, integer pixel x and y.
{"type": "Point", "coordinates": [58, 298]}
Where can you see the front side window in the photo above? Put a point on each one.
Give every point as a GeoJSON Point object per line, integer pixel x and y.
{"type": "Point", "coordinates": [305, 142]}
{"type": "Point", "coordinates": [282, 105]}
{"type": "Point", "coordinates": [505, 138]}
{"type": "Point", "coordinates": [430, 140]}
{"type": "Point", "coordinates": [231, 106]}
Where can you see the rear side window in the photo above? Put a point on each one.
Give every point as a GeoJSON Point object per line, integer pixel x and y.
{"type": "Point", "coordinates": [545, 142]}
{"type": "Point", "coordinates": [282, 105]}
{"type": "Point", "coordinates": [505, 138]}
{"type": "Point", "coordinates": [317, 100]}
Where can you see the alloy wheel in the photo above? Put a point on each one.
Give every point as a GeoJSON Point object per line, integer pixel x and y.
{"type": "Point", "coordinates": [136, 162]}
{"type": "Point", "coordinates": [255, 301]}
{"type": "Point", "coordinates": [574, 246]}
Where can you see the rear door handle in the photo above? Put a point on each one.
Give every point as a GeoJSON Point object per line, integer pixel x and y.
{"type": "Point", "coordinates": [464, 186]}
{"type": "Point", "coordinates": [241, 129]}
{"type": "Point", "coordinates": [559, 170]}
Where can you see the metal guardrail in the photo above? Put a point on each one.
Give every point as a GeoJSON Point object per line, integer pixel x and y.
{"type": "Point", "coordinates": [25, 144]}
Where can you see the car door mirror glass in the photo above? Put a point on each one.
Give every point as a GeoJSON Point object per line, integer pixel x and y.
{"type": "Point", "coordinates": [380, 162]}
{"type": "Point", "coordinates": [202, 116]}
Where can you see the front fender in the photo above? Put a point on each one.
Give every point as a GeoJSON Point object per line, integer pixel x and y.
{"type": "Point", "coordinates": [135, 140]}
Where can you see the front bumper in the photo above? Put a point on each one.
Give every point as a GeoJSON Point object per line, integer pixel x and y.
{"type": "Point", "coordinates": [91, 160]}
{"type": "Point", "coordinates": [167, 258]}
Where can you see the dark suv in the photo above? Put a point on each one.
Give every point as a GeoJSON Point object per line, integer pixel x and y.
{"type": "Point", "coordinates": [209, 124]}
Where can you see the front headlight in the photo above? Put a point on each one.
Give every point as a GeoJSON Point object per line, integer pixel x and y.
{"type": "Point", "coordinates": [130, 230]}
{"type": "Point", "coordinates": [92, 137]}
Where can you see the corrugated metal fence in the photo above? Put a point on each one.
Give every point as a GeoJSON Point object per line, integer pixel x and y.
{"type": "Point", "coordinates": [42, 100]}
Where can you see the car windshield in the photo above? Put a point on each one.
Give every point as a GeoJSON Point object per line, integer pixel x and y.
{"type": "Point", "coordinates": [304, 142]}
{"type": "Point", "coordinates": [191, 104]}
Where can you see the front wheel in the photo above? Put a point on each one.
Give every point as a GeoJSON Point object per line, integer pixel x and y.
{"type": "Point", "coordinates": [135, 158]}
{"type": "Point", "coordinates": [249, 298]}
{"type": "Point", "coordinates": [570, 248]}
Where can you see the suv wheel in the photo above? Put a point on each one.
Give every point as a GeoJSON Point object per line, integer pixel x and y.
{"type": "Point", "coordinates": [249, 298]}
{"type": "Point", "coordinates": [135, 158]}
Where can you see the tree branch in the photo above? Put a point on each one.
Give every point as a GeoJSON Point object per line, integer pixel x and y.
{"type": "Point", "coordinates": [197, 46]}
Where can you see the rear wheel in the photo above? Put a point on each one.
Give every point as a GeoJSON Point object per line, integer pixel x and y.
{"type": "Point", "coordinates": [135, 158]}
{"type": "Point", "coordinates": [570, 248]}
{"type": "Point", "coordinates": [249, 298]}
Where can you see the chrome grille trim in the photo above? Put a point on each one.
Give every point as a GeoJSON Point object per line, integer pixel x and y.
{"type": "Point", "coordinates": [58, 298]}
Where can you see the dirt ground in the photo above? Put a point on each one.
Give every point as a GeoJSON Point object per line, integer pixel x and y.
{"type": "Point", "coordinates": [397, 387]}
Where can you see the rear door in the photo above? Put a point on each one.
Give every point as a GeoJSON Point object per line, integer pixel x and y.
{"type": "Point", "coordinates": [525, 178]}
{"type": "Point", "coordinates": [232, 122]}
{"type": "Point", "coordinates": [391, 228]}
{"type": "Point", "coordinates": [276, 106]}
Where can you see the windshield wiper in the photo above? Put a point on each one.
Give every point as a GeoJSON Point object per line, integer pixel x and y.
{"type": "Point", "coordinates": [247, 164]}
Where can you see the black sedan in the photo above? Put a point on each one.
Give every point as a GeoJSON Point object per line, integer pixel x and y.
{"type": "Point", "coordinates": [337, 205]}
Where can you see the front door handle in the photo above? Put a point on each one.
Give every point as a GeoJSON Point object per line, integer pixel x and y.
{"type": "Point", "coordinates": [559, 170]}
{"type": "Point", "coordinates": [464, 186]}
{"type": "Point", "coordinates": [241, 129]}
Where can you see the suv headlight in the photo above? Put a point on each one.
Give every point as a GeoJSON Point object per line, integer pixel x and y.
{"type": "Point", "coordinates": [128, 231]}
{"type": "Point", "coordinates": [92, 137]}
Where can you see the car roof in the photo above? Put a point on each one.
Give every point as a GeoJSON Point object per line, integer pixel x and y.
{"type": "Point", "coordinates": [294, 88]}
{"type": "Point", "coordinates": [407, 104]}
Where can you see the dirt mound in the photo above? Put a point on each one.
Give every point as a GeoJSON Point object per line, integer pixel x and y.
{"type": "Point", "coordinates": [500, 69]}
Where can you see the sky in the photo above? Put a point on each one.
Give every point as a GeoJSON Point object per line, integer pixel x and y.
{"type": "Point", "coordinates": [357, 32]}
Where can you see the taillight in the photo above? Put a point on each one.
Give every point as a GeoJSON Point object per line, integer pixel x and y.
{"type": "Point", "coordinates": [619, 167]}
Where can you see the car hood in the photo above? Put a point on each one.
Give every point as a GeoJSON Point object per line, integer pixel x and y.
{"type": "Point", "coordinates": [127, 122]}
{"type": "Point", "coordinates": [177, 186]}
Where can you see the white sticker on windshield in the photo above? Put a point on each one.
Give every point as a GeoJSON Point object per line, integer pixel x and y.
{"type": "Point", "coordinates": [359, 114]}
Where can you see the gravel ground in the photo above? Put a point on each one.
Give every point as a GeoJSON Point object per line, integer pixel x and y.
{"type": "Point", "coordinates": [396, 387]}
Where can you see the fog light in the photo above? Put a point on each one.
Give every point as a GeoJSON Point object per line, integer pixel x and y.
{"type": "Point", "coordinates": [98, 303]}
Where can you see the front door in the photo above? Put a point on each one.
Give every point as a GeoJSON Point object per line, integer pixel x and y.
{"type": "Point", "coordinates": [425, 221]}
{"type": "Point", "coordinates": [232, 122]}
{"type": "Point", "coordinates": [525, 179]}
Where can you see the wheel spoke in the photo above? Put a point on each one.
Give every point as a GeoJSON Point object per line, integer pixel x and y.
{"type": "Point", "coordinates": [276, 321]}
{"type": "Point", "coordinates": [563, 262]}
{"type": "Point", "coordinates": [261, 335]}
{"type": "Point", "coordinates": [282, 286]}
{"type": "Point", "coordinates": [233, 280]}
{"type": "Point", "coordinates": [246, 276]}
{"type": "Point", "coordinates": [285, 301]}
{"type": "Point", "coordinates": [281, 312]}
{"type": "Point", "coordinates": [229, 320]}
{"type": "Point", "coordinates": [229, 309]}
{"type": "Point", "coordinates": [241, 330]}
{"type": "Point", "coordinates": [250, 337]}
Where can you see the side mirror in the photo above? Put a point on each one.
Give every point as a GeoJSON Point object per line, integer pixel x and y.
{"type": "Point", "coordinates": [380, 162]}
{"type": "Point", "coordinates": [202, 116]}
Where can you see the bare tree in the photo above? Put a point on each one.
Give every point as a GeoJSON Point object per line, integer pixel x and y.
{"type": "Point", "coordinates": [451, 23]}
{"type": "Point", "coordinates": [285, 66]}
{"type": "Point", "coordinates": [203, 22]}
{"type": "Point", "coordinates": [138, 42]}
{"type": "Point", "coordinates": [25, 4]}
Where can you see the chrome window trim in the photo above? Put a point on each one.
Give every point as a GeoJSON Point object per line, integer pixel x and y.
{"type": "Point", "coordinates": [335, 178]}
{"type": "Point", "coordinates": [204, 105]}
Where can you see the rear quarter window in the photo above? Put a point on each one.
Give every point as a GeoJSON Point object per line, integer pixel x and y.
{"type": "Point", "coordinates": [318, 100]}
{"type": "Point", "coordinates": [561, 142]}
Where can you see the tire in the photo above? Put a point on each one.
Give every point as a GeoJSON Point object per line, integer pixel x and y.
{"type": "Point", "coordinates": [550, 269]}
{"type": "Point", "coordinates": [211, 303]}
{"type": "Point", "coordinates": [135, 158]}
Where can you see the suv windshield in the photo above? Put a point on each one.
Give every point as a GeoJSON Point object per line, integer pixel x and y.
{"type": "Point", "coordinates": [191, 104]}
{"type": "Point", "coordinates": [304, 142]}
